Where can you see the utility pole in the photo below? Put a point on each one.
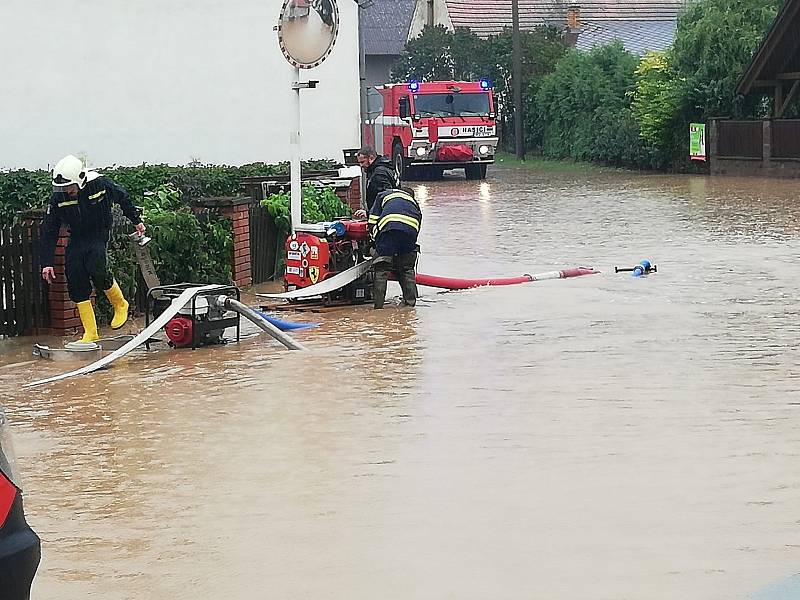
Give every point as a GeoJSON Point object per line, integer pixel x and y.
{"type": "Point", "coordinates": [362, 68]}
{"type": "Point", "coordinates": [516, 78]}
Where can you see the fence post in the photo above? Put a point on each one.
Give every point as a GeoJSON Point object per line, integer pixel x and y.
{"type": "Point", "coordinates": [766, 143]}
{"type": "Point", "coordinates": [712, 147]}
{"type": "Point", "coordinates": [238, 211]}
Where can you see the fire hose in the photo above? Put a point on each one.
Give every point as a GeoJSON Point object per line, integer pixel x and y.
{"type": "Point", "coordinates": [454, 283]}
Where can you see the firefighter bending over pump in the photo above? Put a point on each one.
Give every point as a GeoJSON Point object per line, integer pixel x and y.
{"type": "Point", "coordinates": [394, 222]}
{"type": "Point", "coordinates": [82, 200]}
{"type": "Point", "coordinates": [380, 176]}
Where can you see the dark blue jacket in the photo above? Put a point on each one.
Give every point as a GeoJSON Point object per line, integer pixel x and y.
{"type": "Point", "coordinates": [395, 210]}
{"type": "Point", "coordinates": [380, 176]}
{"type": "Point", "coordinates": [88, 216]}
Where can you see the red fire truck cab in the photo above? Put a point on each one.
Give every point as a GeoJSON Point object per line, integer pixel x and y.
{"type": "Point", "coordinates": [431, 126]}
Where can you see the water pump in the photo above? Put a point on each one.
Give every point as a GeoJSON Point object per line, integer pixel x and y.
{"type": "Point", "coordinates": [202, 322]}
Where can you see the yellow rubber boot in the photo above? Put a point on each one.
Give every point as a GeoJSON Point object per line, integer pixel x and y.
{"type": "Point", "coordinates": [114, 295]}
{"type": "Point", "coordinates": [86, 313]}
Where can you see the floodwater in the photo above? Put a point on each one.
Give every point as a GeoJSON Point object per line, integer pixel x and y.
{"type": "Point", "coordinates": [597, 438]}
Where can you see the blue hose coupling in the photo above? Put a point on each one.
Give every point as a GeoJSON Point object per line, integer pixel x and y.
{"type": "Point", "coordinates": [643, 268]}
{"type": "Point", "coordinates": [337, 228]}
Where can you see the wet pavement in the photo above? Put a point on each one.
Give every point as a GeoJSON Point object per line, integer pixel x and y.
{"type": "Point", "coordinates": [598, 438]}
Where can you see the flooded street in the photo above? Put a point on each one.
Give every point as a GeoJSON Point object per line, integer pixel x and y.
{"type": "Point", "coordinates": [597, 438]}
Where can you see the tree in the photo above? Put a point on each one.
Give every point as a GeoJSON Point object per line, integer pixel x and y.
{"type": "Point", "coordinates": [427, 57]}
{"type": "Point", "coordinates": [695, 80]}
{"type": "Point", "coordinates": [713, 44]}
{"type": "Point", "coordinates": [542, 48]}
{"type": "Point", "coordinates": [659, 100]}
{"type": "Point", "coordinates": [585, 108]}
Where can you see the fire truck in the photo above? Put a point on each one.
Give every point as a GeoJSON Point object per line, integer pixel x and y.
{"type": "Point", "coordinates": [428, 127]}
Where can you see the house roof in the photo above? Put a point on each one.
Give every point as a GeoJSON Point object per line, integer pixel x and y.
{"type": "Point", "coordinates": [778, 54]}
{"type": "Point", "coordinates": [637, 36]}
{"type": "Point", "coordinates": [487, 17]}
{"type": "Point", "coordinates": [385, 24]}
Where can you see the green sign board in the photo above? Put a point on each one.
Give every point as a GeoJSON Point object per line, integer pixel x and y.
{"type": "Point", "coordinates": [697, 141]}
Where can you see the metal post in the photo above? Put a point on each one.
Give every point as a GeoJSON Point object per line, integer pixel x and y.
{"type": "Point", "coordinates": [294, 140]}
{"type": "Point", "coordinates": [362, 74]}
{"type": "Point", "coordinates": [517, 79]}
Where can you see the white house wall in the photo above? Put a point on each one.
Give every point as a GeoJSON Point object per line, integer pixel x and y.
{"type": "Point", "coordinates": [441, 16]}
{"type": "Point", "coordinates": [123, 82]}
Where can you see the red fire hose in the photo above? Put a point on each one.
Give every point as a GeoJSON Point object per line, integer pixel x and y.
{"type": "Point", "coordinates": [452, 283]}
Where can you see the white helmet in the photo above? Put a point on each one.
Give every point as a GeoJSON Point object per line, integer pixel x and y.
{"type": "Point", "coordinates": [69, 170]}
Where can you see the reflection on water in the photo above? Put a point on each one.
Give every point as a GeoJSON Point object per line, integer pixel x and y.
{"type": "Point", "coordinates": [597, 438]}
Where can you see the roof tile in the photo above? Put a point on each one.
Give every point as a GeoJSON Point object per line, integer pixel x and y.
{"type": "Point", "coordinates": [386, 24]}
{"type": "Point", "coordinates": [637, 36]}
{"type": "Point", "coordinates": [487, 17]}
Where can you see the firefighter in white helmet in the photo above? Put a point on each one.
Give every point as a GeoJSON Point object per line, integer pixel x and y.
{"type": "Point", "coordinates": [82, 200]}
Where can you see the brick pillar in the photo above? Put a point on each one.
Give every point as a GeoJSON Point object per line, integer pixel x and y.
{"type": "Point", "coordinates": [354, 194]}
{"type": "Point", "coordinates": [351, 195]}
{"type": "Point", "coordinates": [64, 319]}
{"type": "Point", "coordinates": [238, 211]}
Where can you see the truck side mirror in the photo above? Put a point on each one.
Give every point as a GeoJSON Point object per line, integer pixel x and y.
{"type": "Point", "coordinates": [404, 108]}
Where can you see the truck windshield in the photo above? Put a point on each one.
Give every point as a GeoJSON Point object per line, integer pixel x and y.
{"type": "Point", "coordinates": [443, 105]}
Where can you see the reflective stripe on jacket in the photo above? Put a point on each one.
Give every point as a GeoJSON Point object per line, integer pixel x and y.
{"type": "Point", "coordinates": [395, 210]}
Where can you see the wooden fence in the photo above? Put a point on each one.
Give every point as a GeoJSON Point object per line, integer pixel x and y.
{"type": "Point", "coordinates": [740, 139]}
{"type": "Point", "coordinates": [768, 148]}
{"type": "Point", "coordinates": [266, 246]}
{"type": "Point", "coordinates": [786, 138]}
{"type": "Point", "coordinates": [24, 305]}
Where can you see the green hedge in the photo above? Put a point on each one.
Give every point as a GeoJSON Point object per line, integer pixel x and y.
{"type": "Point", "coordinates": [585, 108]}
{"type": "Point", "coordinates": [319, 204]}
{"type": "Point", "coordinates": [23, 190]}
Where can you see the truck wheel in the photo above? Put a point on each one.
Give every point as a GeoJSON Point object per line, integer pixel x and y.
{"type": "Point", "coordinates": [399, 161]}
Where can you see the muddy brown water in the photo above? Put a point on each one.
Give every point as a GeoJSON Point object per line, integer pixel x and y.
{"type": "Point", "coordinates": [599, 438]}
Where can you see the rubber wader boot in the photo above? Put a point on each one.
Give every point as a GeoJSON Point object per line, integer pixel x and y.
{"type": "Point", "coordinates": [114, 295]}
{"type": "Point", "coordinates": [407, 277]}
{"type": "Point", "coordinates": [383, 265]}
{"type": "Point", "coordinates": [86, 313]}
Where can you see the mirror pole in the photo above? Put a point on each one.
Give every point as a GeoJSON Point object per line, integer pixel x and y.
{"type": "Point", "coordinates": [296, 198]}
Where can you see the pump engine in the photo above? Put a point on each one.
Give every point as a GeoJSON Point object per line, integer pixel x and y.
{"type": "Point", "coordinates": [199, 323]}
{"type": "Point", "coordinates": [318, 251]}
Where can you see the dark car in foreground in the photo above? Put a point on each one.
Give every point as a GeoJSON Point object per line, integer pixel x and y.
{"type": "Point", "coordinates": [19, 544]}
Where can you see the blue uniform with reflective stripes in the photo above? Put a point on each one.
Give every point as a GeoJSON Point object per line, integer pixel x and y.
{"type": "Point", "coordinates": [394, 223]}
{"type": "Point", "coordinates": [395, 211]}
{"type": "Point", "coordinates": [89, 219]}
